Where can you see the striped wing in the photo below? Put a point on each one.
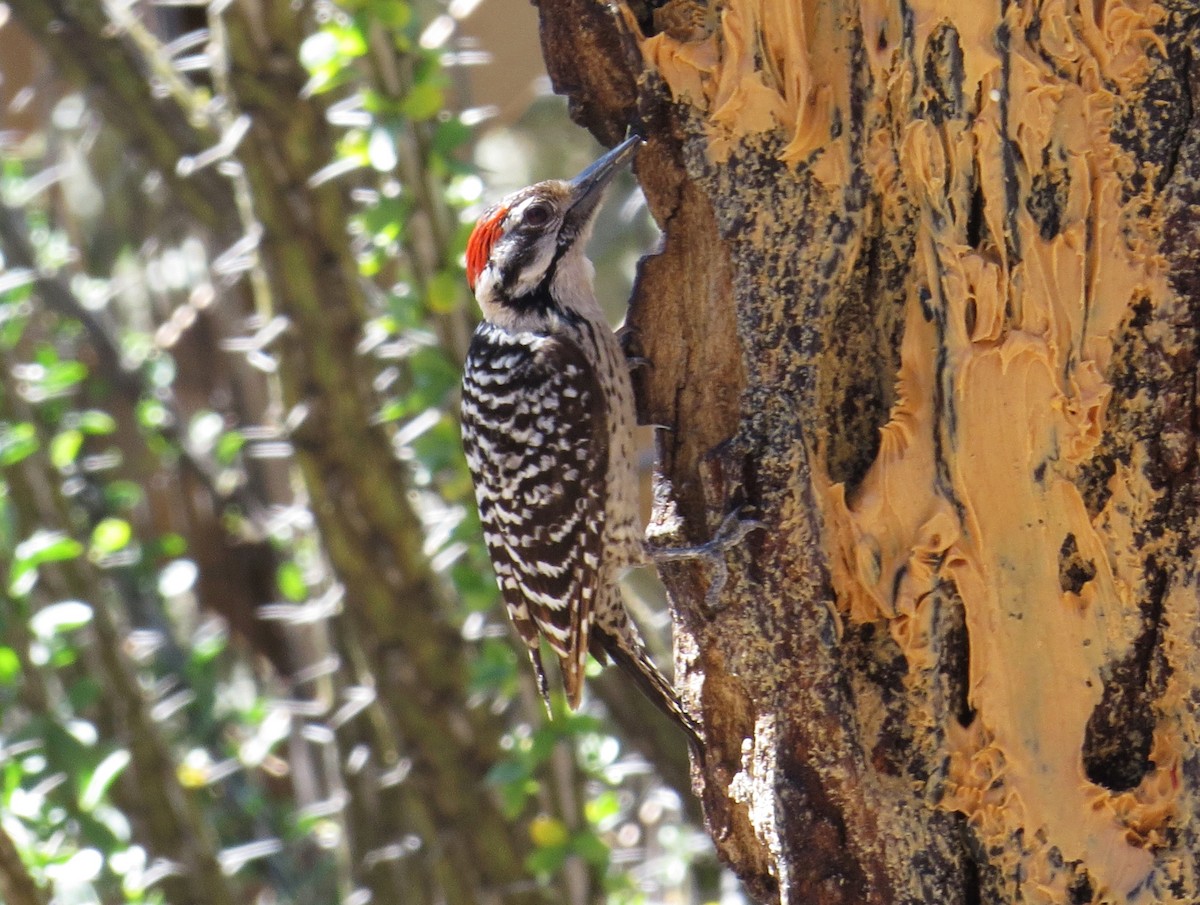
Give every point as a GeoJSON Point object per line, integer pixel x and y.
{"type": "Point", "coordinates": [535, 433]}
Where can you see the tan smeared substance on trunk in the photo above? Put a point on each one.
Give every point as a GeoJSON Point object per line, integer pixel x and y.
{"type": "Point", "coordinates": [1003, 385]}
{"type": "Point", "coordinates": [755, 73]}
{"type": "Point", "coordinates": [1024, 341]}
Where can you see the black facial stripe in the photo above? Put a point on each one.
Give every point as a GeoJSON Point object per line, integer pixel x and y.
{"type": "Point", "coordinates": [515, 265]}
{"type": "Point", "coordinates": [540, 298]}
{"type": "Point", "coordinates": [552, 270]}
{"type": "Point", "coordinates": [566, 238]}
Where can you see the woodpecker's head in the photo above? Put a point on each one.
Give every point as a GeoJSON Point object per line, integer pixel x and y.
{"type": "Point", "coordinates": [525, 259]}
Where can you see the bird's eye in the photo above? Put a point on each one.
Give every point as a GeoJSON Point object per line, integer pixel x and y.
{"type": "Point", "coordinates": [536, 215]}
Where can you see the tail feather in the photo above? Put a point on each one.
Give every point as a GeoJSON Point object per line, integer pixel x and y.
{"type": "Point", "coordinates": [631, 656]}
{"type": "Point", "coordinates": [535, 657]}
{"type": "Point", "coordinates": [572, 669]}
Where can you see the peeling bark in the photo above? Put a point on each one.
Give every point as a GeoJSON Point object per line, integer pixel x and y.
{"type": "Point", "coordinates": [928, 303]}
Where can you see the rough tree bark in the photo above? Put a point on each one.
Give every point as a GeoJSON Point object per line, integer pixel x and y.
{"type": "Point", "coordinates": [928, 302]}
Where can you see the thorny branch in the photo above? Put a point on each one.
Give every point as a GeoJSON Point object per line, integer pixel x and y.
{"type": "Point", "coordinates": [58, 297]}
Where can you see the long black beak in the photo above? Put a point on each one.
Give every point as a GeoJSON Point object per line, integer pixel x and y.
{"type": "Point", "coordinates": [588, 187]}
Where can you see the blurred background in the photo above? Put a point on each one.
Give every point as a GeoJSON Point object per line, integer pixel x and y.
{"type": "Point", "coordinates": [243, 658]}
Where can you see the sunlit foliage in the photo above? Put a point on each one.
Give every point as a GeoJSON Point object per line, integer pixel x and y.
{"type": "Point", "coordinates": [189, 709]}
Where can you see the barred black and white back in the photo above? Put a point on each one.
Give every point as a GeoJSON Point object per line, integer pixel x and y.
{"type": "Point", "coordinates": [534, 431]}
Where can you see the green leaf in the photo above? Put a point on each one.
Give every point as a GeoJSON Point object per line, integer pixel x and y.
{"type": "Point", "coordinates": [508, 772]}
{"type": "Point", "coordinates": [291, 582]}
{"type": "Point", "coordinates": [10, 666]}
{"type": "Point", "coordinates": [17, 441]}
{"type": "Point", "coordinates": [353, 145]}
{"type": "Point", "coordinates": [495, 669]}
{"type": "Point", "coordinates": [152, 414]}
{"type": "Point", "coordinates": [47, 546]}
{"type": "Point", "coordinates": [208, 643]}
{"type": "Point", "coordinates": [172, 545]}
{"type": "Point", "coordinates": [427, 69]}
{"type": "Point", "coordinates": [13, 321]}
{"type": "Point", "coordinates": [96, 422]}
{"type": "Point", "coordinates": [64, 448]}
{"type": "Point", "coordinates": [111, 535]}
{"type": "Point", "coordinates": [385, 217]}
{"type": "Point", "coordinates": [229, 446]}
{"type": "Point", "coordinates": [546, 861]}
{"type": "Point", "coordinates": [475, 584]}
{"type": "Point", "coordinates": [59, 618]}
{"type": "Point", "coordinates": [591, 848]}
{"type": "Point", "coordinates": [62, 656]}
{"type": "Point", "coordinates": [84, 692]}
{"type": "Point", "coordinates": [444, 292]}
{"type": "Point", "coordinates": [433, 377]}
{"type": "Point", "coordinates": [392, 411]}
{"type": "Point", "coordinates": [102, 778]}
{"type": "Point", "coordinates": [425, 101]}
{"type": "Point", "coordinates": [123, 495]}
{"type": "Point", "coordinates": [603, 807]}
{"type": "Point", "coordinates": [449, 135]}
{"type": "Point", "coordinates": [548, 832]}
{"type": "Point", "coordinates": [62, 376]}
{"type": "Point", "coordinates": [351, 42]}
{"type": "Point", "coordinates": [392, 14]}
{"type": "Point", "coordinates": [326, 79]}
{"type": "Point", "coordinates": [43, 546]}
{"type": "Point", "coordinates": [438, 448]}
{"type": "Point", "coordinates": [405, 307]}
{"type": "Point", "coordinates": [543, 742]}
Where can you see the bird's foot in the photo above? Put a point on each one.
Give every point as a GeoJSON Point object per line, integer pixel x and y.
{"type": "Point", "coordinates": [733, 530]}
{"type": "Point", "coordinates": [629, 338]}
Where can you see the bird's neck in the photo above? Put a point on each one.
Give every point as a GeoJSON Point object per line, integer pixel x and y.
{"type": "Point", "coordinates": [555, 304]}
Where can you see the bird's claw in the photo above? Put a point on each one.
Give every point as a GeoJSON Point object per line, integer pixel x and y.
{"type": "Point", "coordinates": [629, 338]}
{"type": "Point", "coordinates": [732, 531]}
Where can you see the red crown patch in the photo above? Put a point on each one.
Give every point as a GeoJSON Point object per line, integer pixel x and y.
{"type": "Point", "coordinates": [479, 246]}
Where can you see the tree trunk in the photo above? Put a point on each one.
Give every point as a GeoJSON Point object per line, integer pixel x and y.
{"type": "Point", "coordinates": [928, 304]}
